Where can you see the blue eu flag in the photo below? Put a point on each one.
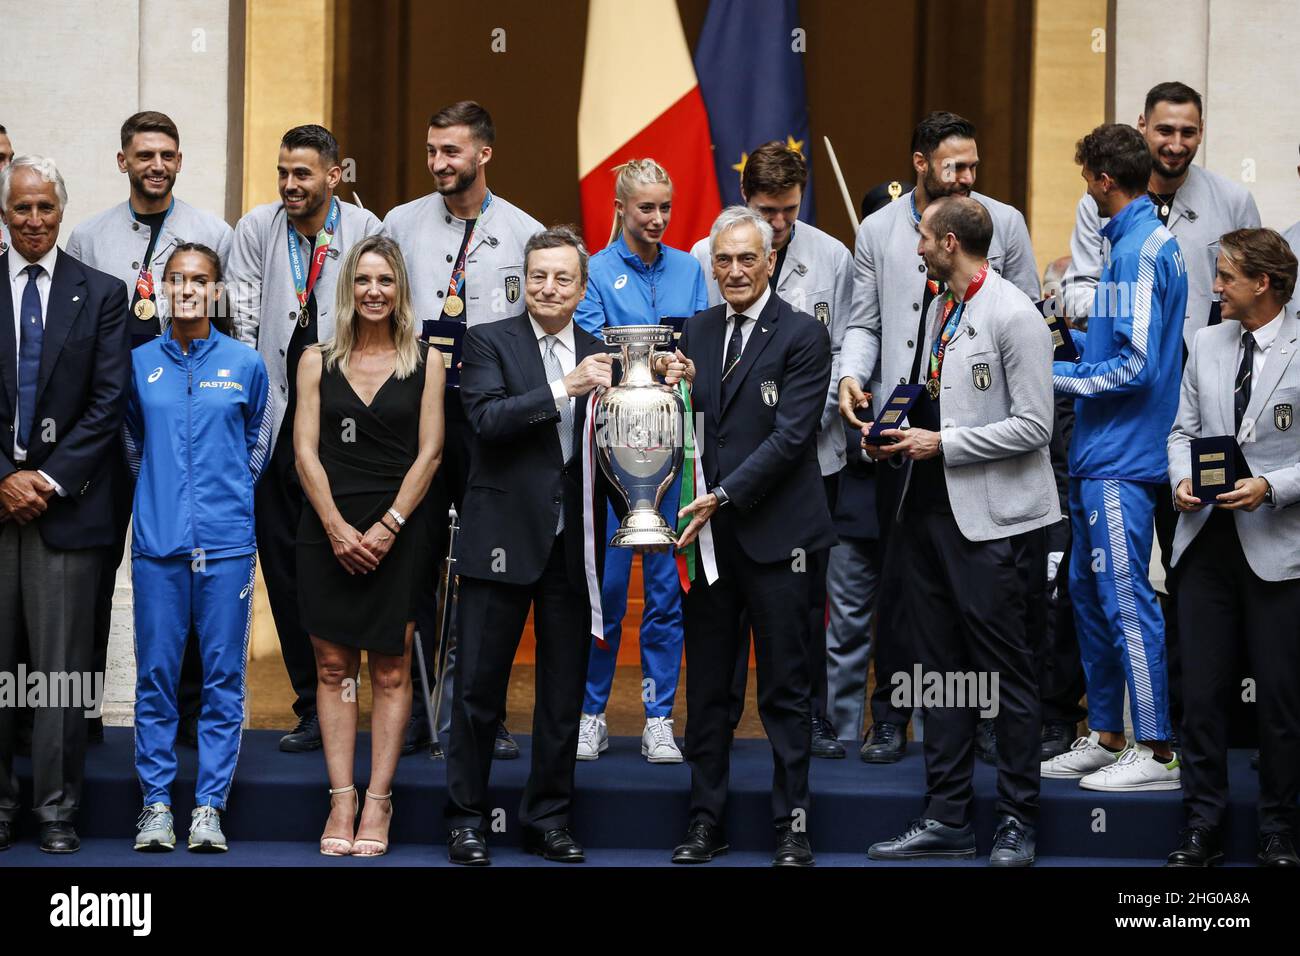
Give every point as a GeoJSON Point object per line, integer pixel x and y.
{"type": "Point", "coordinates": [749, 62]}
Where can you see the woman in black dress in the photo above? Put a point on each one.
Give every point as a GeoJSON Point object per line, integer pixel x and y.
{"type": "Point", "coordinates": [367, 439]}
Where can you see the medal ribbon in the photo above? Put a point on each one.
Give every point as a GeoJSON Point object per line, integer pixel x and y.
{"type": "Point", "coordinates": [457, 284]}
{"type": "Point", "coordinates": [144, 281]}
{"type": "Point", "coordinates": [952, 312]}
{"type": "Point", "coordinates": [303, 285]}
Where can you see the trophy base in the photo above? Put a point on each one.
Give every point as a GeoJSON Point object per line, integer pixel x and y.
{"type": "Point", "coordinates": [643, 529]}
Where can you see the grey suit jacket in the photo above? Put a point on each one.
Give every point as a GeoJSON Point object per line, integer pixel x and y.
{"type": "Point", "coordinates": [997, 404]}
{"type": "Point", "coordinates": [1292, 237]}
{"type": "Point", "coordinates": [114, 242]}
{"type": "Point", "coordinates": [817, 278]}
{"type": "Point", "coordinates": [1207, 206]}
{"type": "Point", "coordinates": [1269, 440]}
{"type": "Point", "coordinates": [889, 283]}
{"type": "Point", "coordinates": [263, 302]}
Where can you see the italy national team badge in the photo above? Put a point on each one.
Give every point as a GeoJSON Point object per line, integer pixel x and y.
{"type": "Point", "coordinates": [512, 289]}
{"type": "Point", "coordinates": [4, 247]}
{"type": "Point", "coordinates": [822, 312]}
{"type": "Point", "coordinates": [980, 376]}
{"type": "Point", "coordinates": [769, 393]}
{"type": "Point", "coordinates": [1282, 417]}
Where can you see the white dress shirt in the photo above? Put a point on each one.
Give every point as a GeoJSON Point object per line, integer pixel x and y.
{"type": "Point", "coordinates": [746, 329]}
{"type": "Point", "coordinates": [1264, 336]}
{"type": "Point", "coordinates": [565, 351]}
{"type": "Point", "coordinates": [17, 286]}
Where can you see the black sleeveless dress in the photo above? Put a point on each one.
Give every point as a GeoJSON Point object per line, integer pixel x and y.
{"type": "Point", "coordinates": [366, 451]}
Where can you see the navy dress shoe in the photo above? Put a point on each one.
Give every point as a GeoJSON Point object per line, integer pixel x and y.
{"type": "Point", "coordinates": [824, 742]}
{"type": "Point", "coordinates": [1056, 738]}
{"type": "Point", "coordinates": [466, 846]}
{"type": "Point", "coordinates": [886, 743]}
{"type": "Point", "coordinates": [557, 845]}
{"type": "Point", "coordinates": [59, 836]}
{"type": "Point", "coordinates": [1278, 849]}
{"type": "Point", "coordinates": [303, 738]}
{"type": "Point", "coordinates": [6, 834]}
{"type": "Point", "coordinates": [1199, 847]}
{"type": "Point", "coordinates": [703, 842]}
{"type": "Point", "coordinates": [504, 747]}
{"type": "Point", "coordinates": [792, 849]}
{"type": "Point", "coordinates": [417, 736]}
{"type": "Point", "coordinates": [1013, 844]}
{"type": "Point", "coordinates": [927, 839]}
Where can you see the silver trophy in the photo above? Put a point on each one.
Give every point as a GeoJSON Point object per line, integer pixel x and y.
{"type": "Point", "coordinates": [639, 436]}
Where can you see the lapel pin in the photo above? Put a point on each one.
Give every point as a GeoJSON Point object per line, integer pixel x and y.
{"type": "Point", "coordinates": [761, 329]}
{"type": "Point", "coordinates": [76, 298]}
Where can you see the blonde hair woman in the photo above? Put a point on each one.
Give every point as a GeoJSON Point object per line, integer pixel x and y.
{"type": "Point", "coordinates": [637, 280]}
{"type": "Point", "coordinates": [367, 439]}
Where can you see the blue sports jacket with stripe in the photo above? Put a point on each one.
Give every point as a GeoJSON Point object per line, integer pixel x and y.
{"type": "Point", "coordinates": [1128, 380]}
{"type": "Point", "coordinates": [197, 438]}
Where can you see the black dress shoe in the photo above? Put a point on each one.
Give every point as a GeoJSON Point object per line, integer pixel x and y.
{"type": "Point", "coordinates": [466, 846]}
{"type": "Point", "coordinates": [1200, 846]}
{"type": "Point", "coordinates": [986, 742]}
{"type": "Point", "coordinates": [6, 834]}
{"type": "Point", "coordinates": [824, 742]}
{"type": "Point", "coordinates": [504, 747]}
{"type": "Point", "coordinates": [1278, 849]}
{"type": "Point", "coordinates": [1056, 738]}
{"type": "Point", "coordinates": [59, 836]}
{"type": "Point", "coordinates": [187, 731]}
{"type": "Point", "coordinates": [927, 839]}
{"type": "Point", "coordinates": [1013, 844]}
{"type": "Point", "coordinates": [886, 743]}
{"type": "Point", "coordinates": [556, 845]}
{"type": "Point", "coordinates": [1254, 760]}
{"type": "Point", "coordinates": [417, 736]}
{"type": "Point", "coordinates": [792, 849]}
{"type": "Point", "coordinates": [303, 738]}
{"type": "Point", "coordinates": [703, 842]}
{"type": "Point", "coordinates": [94, 729]}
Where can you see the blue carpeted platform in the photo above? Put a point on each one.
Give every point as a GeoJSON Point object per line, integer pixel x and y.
{"type": "Point", "coordinates": [627, 813]}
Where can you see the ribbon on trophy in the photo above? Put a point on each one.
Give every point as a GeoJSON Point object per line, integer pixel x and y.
{"type": "Point", "coordinates": [701, 549]}
{"type": "Point", "coordinates": [589, 519]}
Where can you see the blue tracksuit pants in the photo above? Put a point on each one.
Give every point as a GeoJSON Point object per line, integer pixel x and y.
{"type": "Point", "coordinates": [217, 596]}
{"type": "Point", "coordinates": [1120, 627]}
{"type": "Point", "coordinates": [661, 624]}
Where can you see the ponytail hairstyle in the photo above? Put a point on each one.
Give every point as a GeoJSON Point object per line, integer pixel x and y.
{"type": "Point", "coordinates": [634, 173]}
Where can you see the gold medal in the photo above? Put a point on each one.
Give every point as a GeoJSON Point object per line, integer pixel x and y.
{"type": "Point", "coordinates": [454, 305]}
{"type": "Point", "coordinates": [145, 309]}
{"type": "Point", "coordinates": [303, 318]}
{"type": "Point", "coordinates": [932, 388]}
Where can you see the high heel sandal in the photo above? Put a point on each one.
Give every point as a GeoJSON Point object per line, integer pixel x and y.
{"type": "Point", "coordinates": [382, 845]}
{"type": "Point", "coordinates": [337, 845]}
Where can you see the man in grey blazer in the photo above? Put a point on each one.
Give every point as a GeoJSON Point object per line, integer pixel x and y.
{"type": "Point", "coordinates": [891, 296]}
{"type": "Point", "coordinates": [1238, 556]}
{"type": "Point", "coordinates": [283, 270]}
{"type": "Point", "coordinates": [133, 241]}
{"type": "Point", "coordinates": [969, 538]}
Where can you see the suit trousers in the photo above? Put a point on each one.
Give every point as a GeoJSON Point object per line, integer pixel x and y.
{"type": "Point", "coordinates": [852, 575]}
{"type": "Point", "coordinates": [492, 617]}
{"type": "Point", "coordinates": [1060, 670]}
{"type": "Point", "coordinates": [39, 588]}
{"type": "Point", "coordinates": [278, 502]}
{"type": "Point", "coordinates": [1221, 604]}
{"type": "Point", "coordinates": [894, 648]}
{"type": "Point", "coordinates": [776, 598]}
{"type": "Point", "coordinates": [965, 602]}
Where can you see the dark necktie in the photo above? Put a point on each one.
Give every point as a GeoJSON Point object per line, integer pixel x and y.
{"type": "Point", "coordinates": [1241, 391]}
{"type": "Point", "coordinates": [29, 355]}
{"type": "Point", "coordinates": [735, 345]}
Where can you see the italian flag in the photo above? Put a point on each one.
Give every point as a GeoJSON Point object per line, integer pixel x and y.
{"type": "Point", "coordinates": [640, 98]}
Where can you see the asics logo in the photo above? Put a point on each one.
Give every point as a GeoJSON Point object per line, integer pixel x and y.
{"type": "Point", "coordinates": [155, 375]}
{"type": "Point", "coordinates": [620, 281]}
{"type": "Point", "coordinates": [248, 589]}
{"type": "Point", "coordinates": [1092, 518]}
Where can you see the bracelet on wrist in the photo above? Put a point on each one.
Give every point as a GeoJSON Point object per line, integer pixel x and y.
{"type": "Point", "coordinates": [389, 526]}
{"type": "Point", "coordinates": [401, 522]}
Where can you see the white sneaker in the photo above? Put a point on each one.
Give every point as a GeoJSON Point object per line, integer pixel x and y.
{"type": "Point", "coordinates": [1086, 755]}
{"type": "Point", "coordinates": [657, 744]}
{"type": "Point", "coordinates": [593, 736]}
{"type": "Point", "coordinates": [1136, 769]}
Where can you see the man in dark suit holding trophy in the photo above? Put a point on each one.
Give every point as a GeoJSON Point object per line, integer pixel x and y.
{"type": "Point", "coordinates": [1237, 544]}
{"type": "Point", "coordinates": [761, 371]}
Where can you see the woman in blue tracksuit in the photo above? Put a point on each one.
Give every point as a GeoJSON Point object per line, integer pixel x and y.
{"type": "Point", "coordinates": [196, 436]}
{"type": "Point", "coordinates": [637, 280]}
